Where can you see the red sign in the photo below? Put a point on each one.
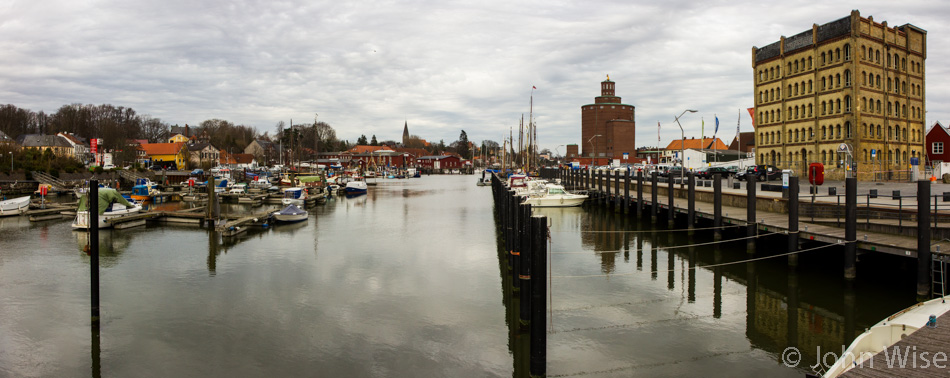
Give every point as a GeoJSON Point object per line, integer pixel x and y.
{"type": "Point", "coordinates": [43, 190]}
{"type": "Point", "coordinates": [191, 182]}
{"type": "Point", "coordinates": [816, 173]}
{"type": "Point", "coordinates": [94, 144]}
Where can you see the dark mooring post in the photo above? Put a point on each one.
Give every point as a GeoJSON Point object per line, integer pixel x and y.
{"type": "Point", "coordinates": [511, 228]}
{"type": "Point", "coordinates": [626, 192]}
{"type": "Point", "coordinates": [923, 240]}
{"type": "Point", "coordinates": [670, 213]}
{"type": "Point", "coordinates": [617, 197]}
{"type": "Point", "coordinates": [717, 206]}
{"type": "Point", "coordinates": [640, 194]}
{"type": "Point", "coordinates": [750, 214]}
{"type": "Point", "coordinates": [517, 235]}
{"type": "Point", "coordinates": [525, 273]}
{"type": "Point", "coordinates": [792, 221]}
{"type": "Point", "coordinates": [690, 202]}
{"type": "Point", "coordinates": [606, 187]}
{"type": "Point", "coordinates": [539, 295]}
{"type": "Point", "coordinates": [850, 227]}
{"type": "Point", "coordinates": [654, 209]}
{"type": "Point", "coordinates": [94, 249]}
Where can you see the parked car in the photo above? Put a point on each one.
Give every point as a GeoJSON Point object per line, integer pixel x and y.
{"type": "Point", "coordinates": [674, 171]}
{"type": "Point", "coordinates": [760, 172]}
{"type": "Point", "coordinates": [709, 172]}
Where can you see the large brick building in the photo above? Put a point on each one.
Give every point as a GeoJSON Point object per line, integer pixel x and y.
{"type": "Point", "coordinates": [852, 81]}
{"type": "Point", "coordinates": [612, 121]}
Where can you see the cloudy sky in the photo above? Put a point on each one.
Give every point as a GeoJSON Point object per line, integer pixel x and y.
{"type": "Point", "coordinates": [366, 67]}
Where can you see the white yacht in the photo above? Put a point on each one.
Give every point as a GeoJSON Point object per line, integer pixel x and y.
{"type": "Point", "coordinates": [554, 195]}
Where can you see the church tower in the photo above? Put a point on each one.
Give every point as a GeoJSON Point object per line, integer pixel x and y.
{"type": "Point", "coordinates": [405, 134]}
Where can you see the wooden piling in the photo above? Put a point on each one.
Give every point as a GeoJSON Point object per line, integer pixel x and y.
{"type": "Point", "coordinates": [539, 262]}
{"type": "Point", "coordinates": [639, 194]}
{"type": "Point", "coordinates": [93, 207]}
{"type": "Point", "coordinates": [617, 197]}
{"type": "Point", "coordinates": [850, 227]}
{"type": "Point", "coordinates": [654, 209]}
{"type": "Point", "coordinates": [670, 211]}
{"type": "Point", "coordinates": [524, 274]}
{"type": "Point", "coordinates": [691, 201]}
{"type": "Point", "coordinates": [793, 220]}
{"type": "Point", "coordinates": [750, 213]}
{"type": "Point", "coordinates": [626, 192]}
{"type": "Point", "coordinates": [923, 240]}
{"type": "Point", "coordinates": [717, 206]}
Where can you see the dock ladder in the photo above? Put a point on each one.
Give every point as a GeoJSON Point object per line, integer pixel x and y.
{"type": "Point", "coordinates": [938, 274]}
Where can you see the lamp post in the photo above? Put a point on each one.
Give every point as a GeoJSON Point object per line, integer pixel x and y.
{"type": "Point", "coordinates": [557, 151]}
{"type": "Point", "coordinates": [11, 162]}
{"type": "Point", "coordinates": [591, 141]}
{"type": "Point", "coordinates": [683, 145]}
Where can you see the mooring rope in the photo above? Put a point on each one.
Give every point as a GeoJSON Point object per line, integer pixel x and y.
{"type": "Point", "coordinates": [675, 246]}
{"type": "Point", "coordinates": [710, 265]}
{"type": "Point", "coordinates": [659, 231]}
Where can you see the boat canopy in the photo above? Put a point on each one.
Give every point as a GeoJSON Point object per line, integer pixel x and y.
{"type": "Point", "coordinates": [107, 196]}
{"type": "Point", "coordinates": [306, 179]}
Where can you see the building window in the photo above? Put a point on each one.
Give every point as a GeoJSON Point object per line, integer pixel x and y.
{"type": "Point", "coordinates": [937, 148]}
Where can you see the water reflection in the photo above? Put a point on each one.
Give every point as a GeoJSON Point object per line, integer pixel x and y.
{"type": "Point", "coordinates": [810, 308]}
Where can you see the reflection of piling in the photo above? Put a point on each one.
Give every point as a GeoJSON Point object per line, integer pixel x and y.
{"type": "Point", "coordinates": [923, 240]}
{"type": "Point", "coordinates": [626, 192]}
{"type": "Point", "coordinates": [617, 197]}
{"type": "Point", "coordinates": [539, 294]}
{"type": "Point", "coordinates": [94, 249]}
{"type": "Point", "coordinates": [640, 194]}
{"type": "Point", "coordinates": [670, 212]}
{"type": "Point", "coordinates": [654, 209]}
{"type": "Point", "coordinates": [690, 202]}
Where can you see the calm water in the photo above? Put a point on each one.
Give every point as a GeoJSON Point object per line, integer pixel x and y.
{"type": "Point", "coordinates": [406, 281]}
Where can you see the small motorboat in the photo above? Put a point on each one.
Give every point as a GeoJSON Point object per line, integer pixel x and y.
{"type": "Point", "coordinates": [294, 196]}
{"type": "Point", "coordinates": [15, 206]}
{"type": "Point", "coordinates": [111, 205]}
{"type": "Point", "coordinates": [291, 214]}
{"type": "Point", "coordinates": [355, 187]}
{"type": "Point", "coordinates": [888, 332]}
{"type": "Point", "coordinates": [554, 195]}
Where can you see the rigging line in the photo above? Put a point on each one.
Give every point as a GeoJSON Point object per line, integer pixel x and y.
{"type": "Point", "coordinates": [661, 231]}
{"type": "Point", "coordinates": [649, 365]}
{"type": "Point", "coordinates": [675, 246]}
{"type": "Point", "coordinates": [645, 322]}
{"type": "Point", "coordinates": [712, 265]}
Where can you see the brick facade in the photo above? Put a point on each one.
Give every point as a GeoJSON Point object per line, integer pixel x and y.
{"type": "Point", "coordinates": [612, 120]}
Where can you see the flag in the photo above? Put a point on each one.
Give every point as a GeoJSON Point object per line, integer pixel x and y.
{"type": "Point", "coordinates": [717, 126]}
{"type": "Point", "coordinates": [702, 130]}
{"type": "Point", "coordinates": [658, 133]}
{"type": "Point", "coordinates": [752, 114]}
{"type": "Point", "coordinates": [533, 87]}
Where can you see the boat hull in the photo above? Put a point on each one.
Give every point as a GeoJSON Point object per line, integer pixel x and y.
{"type": "Point", "coordinates": [15, 206]}
{"type": "Point", "coordinates": [556, 202]}
{"type": "Point", "coordinates": [291, 218]}
{"type": "Point", "coordinates": [81, 222]}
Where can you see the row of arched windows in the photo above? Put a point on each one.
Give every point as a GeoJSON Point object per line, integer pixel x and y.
{"type": "Point", "coordinates": [834, 56]}
{"type": "Point", "coordinates": [828, 132]}
{"type": "Point", "coordinates": [831, 157]}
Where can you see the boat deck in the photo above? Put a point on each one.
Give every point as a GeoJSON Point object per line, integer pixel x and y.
{"type": "Point", "coordinates": [926, 352]}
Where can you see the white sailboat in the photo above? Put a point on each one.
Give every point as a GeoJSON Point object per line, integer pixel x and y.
{"type": "Point", "coordinates": [111, 205]}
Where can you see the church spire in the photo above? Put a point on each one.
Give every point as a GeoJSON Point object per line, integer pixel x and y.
{"type": "Point", "coordinates": [405, 133]}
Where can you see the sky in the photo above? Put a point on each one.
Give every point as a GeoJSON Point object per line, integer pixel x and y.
{"type": "Point", "coordinates": [440, 66]}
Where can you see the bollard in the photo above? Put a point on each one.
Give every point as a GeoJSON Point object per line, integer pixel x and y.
{"type": "Point", "coordinates": [923, 240]}
{"type": "Point", "coordinates": [896, 195]}
{"type": "Point", "coordinates": [617, 191]}
{"type": "Point", "coordinates": [872, 193]}
{"type": "Point", "coordinates": [793, 220]}
{"type": "Point", "coordinates": [832, 191]}
{"type": "Point", "coordinates": [750, 216]}
{"type": "Point", "coordinates": [94, 249]}
{"type": "Point", "coordinates": [691, 201]}
{"type": "Point", "coordinates": [670, 214]}
{"type": "Point", "coordinates": [654, 209]}
{"type": "Point", "coordinates": [850, 227]}
{"type": "Point", "coordinates": [524, 274]}
{"type": "Point", "coordinates": [717, 206]}
{"type": "Point", "coordinates": [516, 235]}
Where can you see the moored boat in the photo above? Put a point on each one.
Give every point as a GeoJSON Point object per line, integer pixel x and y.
{"type": "Point", "coordinates": [294, 196]}
{"type": "Point", "coordinates": [14, 206]}
{"type": "Point", "coordinates": [355, 187]}
{"type": "Point", "coordinates": [291, 214]}
{"type": "Point", "coordinates": [886, 333]}
{"type": "Point", "coordinates": [554, 195]}
{"type": "Point", "coordinates": [111, 205]}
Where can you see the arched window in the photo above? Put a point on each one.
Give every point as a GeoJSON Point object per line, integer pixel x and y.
{"type": "Point", "coordinates": [822, 58]}
{"type": "Point", "coordinates": [879, 134]}
{"type": "Point", "coordinates": [878, 79]}
{"type": "Point", "coordinates": [789, 89]}
{"type": "Point", "coordinates": [864, 129]}
{"type": "Point", "coordinates": [864, 78]}
{"type": "Point", "coordinates": [823, 83]}
{"type": "Point", "coordinates": [877, 56]}
{"type": "Point", "coordinates": [796, 66]}
{"type": "Point", "coordinates": [838, 80]}
{"type": "Point", "coordinates": [878, 106]}
{"type": "Point", "coordinates": [838, 107]}
{"type": "Point", "coordinates": [809, 86]}
{"type": "Point", "coordinates": [847, 104]}
{"type": "Point", "coordinates": [838, 131]}
{"type": "Point", "coordinates": [847, 52]}
{"type": "Point", "coordinates": [847, 129]}
{"type": "Point", "coordinates": [837, 54]}
{"type": "Point", "coordinates": [864, 103]}
{"type": "Point", "coordinates": [809, 62]}
{"type": "Point", "coordinates": [847, 78]}
{"type": "Point", "coordinates": [824, 135]}
{"type": "Point", "coordinates": [824, 108]}
{"type": "Point", "coordinates": [810, 114]}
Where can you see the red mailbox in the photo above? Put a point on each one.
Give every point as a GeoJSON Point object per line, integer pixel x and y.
{"type": "Point", "coordinates": [191, 182]}
{"type": "Point", "coordinates": [816, 173]}
{"type": "Point", "coordinates": [43, 190]}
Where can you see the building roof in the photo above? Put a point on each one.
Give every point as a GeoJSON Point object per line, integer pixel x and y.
{"type": "Point", "coordinates": [4, 138]}
{"type": "Point", "coordinates": [40, 140]}
{"type": "Point", "coordinates": [73, 139]}
{"type": "Point", "coordinates": [440, 157]}
{"type": "Point", "coordinates": [199, 146]}
{"type": "Point", "coordinates": [412, 151]}
{"type": "Point", "coordinates": [162, 148]}
{"type": "Point", "coordinates": [937, 125]}
{"type": "Point", "coordinates": [362, 149]}
{"type": "Point", "coordinates": [697, 144]}
{"type": "Point", "coordinates": [265, 144]}
{"type": "Point", "coordinates": [243, 158]}
{"type": "Point", "coordinates": [746, 142]}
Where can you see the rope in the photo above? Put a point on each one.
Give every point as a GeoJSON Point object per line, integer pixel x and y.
{"type": "Point", "coordinates": [676, 246]}
{"type": "Point", "coordinates": [710, 265]}
{"type": "Point", "coordinates": [662, 231]}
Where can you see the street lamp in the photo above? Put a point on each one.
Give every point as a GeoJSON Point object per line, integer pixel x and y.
{"type": "Point", "coordinates": [558, 152]}
{"type": "Point", "coordinates": [591, 141]}
{"type": "Point", "coordinates": [11, 162]}
{"type": "Point", "coordinates": [683, 145]}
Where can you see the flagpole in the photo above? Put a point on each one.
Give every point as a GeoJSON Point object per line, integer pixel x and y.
{"type": "Point", "coordinates": [716, 146]}
{"type": "Point", "coordinates": [657, 142]}
{"type": "Point", "coordinates": [738, 140]}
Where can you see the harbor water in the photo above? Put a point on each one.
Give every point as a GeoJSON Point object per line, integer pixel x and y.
{"type": "Point", "coordinates": [406, 281]}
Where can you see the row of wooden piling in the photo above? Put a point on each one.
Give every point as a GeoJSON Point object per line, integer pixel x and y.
{"type": "Point", "coordinates": [525, 247]}
{"type": "Point", "coordinates": [599, 183]}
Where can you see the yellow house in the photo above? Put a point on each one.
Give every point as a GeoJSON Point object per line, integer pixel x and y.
{"type": "Point", "coordinates": [165, 152]}
{"type": "Point", "coordinates": [178, 138]}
